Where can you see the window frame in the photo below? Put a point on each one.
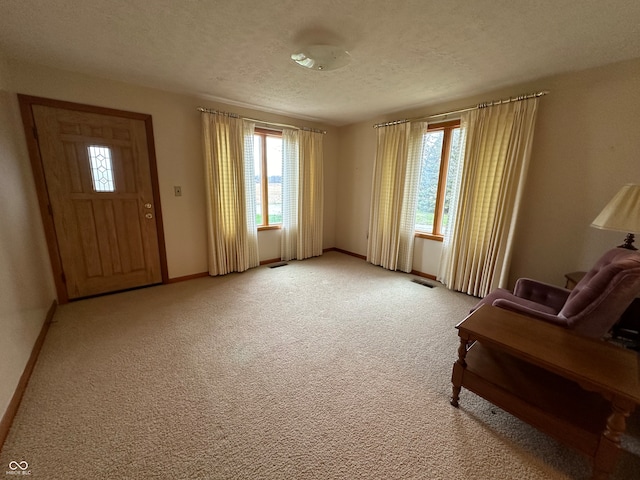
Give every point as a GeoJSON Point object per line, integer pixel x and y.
{"type": "Point", "coordinates": [263, 133]}
{"type": "Point", "coordinates": [448, 128]}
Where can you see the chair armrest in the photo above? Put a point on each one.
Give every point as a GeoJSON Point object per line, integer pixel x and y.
{"type": "Point", "coordinates": [536, 314]}
{"type": "Point", "coordinates": [540, 292]}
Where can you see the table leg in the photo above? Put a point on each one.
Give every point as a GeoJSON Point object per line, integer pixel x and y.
{"type": "Point", "coordinates": [609, 447]}
{"type": "Point", "coordinates": [458, 371]}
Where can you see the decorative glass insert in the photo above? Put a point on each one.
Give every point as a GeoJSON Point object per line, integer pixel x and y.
{"type": "Point", "coordinates": [101, 168]}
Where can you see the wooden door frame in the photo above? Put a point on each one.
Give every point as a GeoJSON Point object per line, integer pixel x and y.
{"type": "Point", "coordinates": [28, 122]}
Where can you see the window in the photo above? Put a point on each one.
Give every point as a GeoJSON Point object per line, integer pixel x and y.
{"type": "Point", "coordinates": [101, 168]}
{"type": "Point", "coordinates": [440, 157]}
{"type": "Point", "coordinates": [268, 168]}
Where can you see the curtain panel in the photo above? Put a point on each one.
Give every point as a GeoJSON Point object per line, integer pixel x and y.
{"type": "Point", "coordinates": [476, 255]}
{"type": "Point", "coordinates": [290, 176]}
{"type": "Point", "coordinates": [394, 195]}
{"type": "Point", "coordinates": [303, 194]}
{"type": "Point", "coordinates": [230, 188]}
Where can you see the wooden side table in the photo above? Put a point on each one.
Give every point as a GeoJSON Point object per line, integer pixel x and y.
{"type": "Point", "coordinates": [572, 279]}
{"type": "Point", "coordinates": [574, 388]}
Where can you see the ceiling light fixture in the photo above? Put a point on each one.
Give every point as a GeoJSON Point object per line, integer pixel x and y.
{"type": "Point", "coordinates": [321, 57]}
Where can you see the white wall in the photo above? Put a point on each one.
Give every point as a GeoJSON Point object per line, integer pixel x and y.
{"type": "Point", "coordinates": [26, 285]}
{"type": "Point", "coordinates": [357, 151]}
{"type": "Point", "coordinates": [177, 135]}
{"type": "Point", "coordinates": [585, 147]}
{"type": "Point", "coordinates": [426, 256]}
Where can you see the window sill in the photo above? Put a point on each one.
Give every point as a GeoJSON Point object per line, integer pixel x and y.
{"type": "Point", "coordinates": [269, 227]}
{"type": "Point", "coordinates": [430, 236]}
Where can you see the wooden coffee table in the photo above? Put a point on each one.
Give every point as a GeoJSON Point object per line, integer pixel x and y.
{"type": "Point", "coordinates": [576, 389]}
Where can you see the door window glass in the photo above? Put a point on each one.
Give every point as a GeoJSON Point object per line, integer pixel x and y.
{"type": "Point", "coordinates": [101, 168]}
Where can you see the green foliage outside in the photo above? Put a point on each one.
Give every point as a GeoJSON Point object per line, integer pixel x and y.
{"type": "Point", "coordinates": [428, 186]}
{"type": "Point", "coordinates": [273, 219]}
{"type": "Point", "coordinates": [424, 221]}
{"type": "Point", "coordinates": [430, 171]}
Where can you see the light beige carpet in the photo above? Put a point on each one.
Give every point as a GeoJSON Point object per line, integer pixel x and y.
{"type": "Point", "coordinates": [328, 368]}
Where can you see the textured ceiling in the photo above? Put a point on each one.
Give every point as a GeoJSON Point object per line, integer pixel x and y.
{"type": "Point", "coordinates": [404, 53]}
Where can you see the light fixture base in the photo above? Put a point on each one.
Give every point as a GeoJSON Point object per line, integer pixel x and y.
{"type": "Point", "coordinates": [321, 57]}
{"type": "Point", "coordinates": [628, 242]}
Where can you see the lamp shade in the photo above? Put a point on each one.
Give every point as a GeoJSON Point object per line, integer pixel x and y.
{"type": "Point", "coordinates": [622, 213]}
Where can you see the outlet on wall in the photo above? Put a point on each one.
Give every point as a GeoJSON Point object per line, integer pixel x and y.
{"type": "Point", "coordinates": [177, 191]}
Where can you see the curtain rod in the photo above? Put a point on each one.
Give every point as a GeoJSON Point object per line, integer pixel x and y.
{"type": "Point", "coordinates": [468, 109]}
{"type": "Point", "coordinates": [261, 122]}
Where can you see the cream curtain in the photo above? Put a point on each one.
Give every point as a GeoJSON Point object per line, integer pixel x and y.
{"type": "Point", "coordinates": [303, 194]}
{"type": "Point", "coordinates": [394, 195]}
{"type": "Point", "coordinates": [230, 188]}
{"type": "Point", "coordinates": [476, 256]}
{"type": "Point", "coordinates": [290, 175]}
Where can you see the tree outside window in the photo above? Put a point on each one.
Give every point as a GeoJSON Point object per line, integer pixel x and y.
{"type": "Point", "coordinates": [440, 158]}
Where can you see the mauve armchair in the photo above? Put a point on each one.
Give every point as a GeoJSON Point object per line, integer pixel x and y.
{"type": "Point", "coordinates": [592, 308]}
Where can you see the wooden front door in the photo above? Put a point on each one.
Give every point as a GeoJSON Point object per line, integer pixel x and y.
{"type": "Point", "coordinates": [102, 205]}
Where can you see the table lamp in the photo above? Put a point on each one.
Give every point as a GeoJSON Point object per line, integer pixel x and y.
{"type": "Point", "coordinates": [622, 214]}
